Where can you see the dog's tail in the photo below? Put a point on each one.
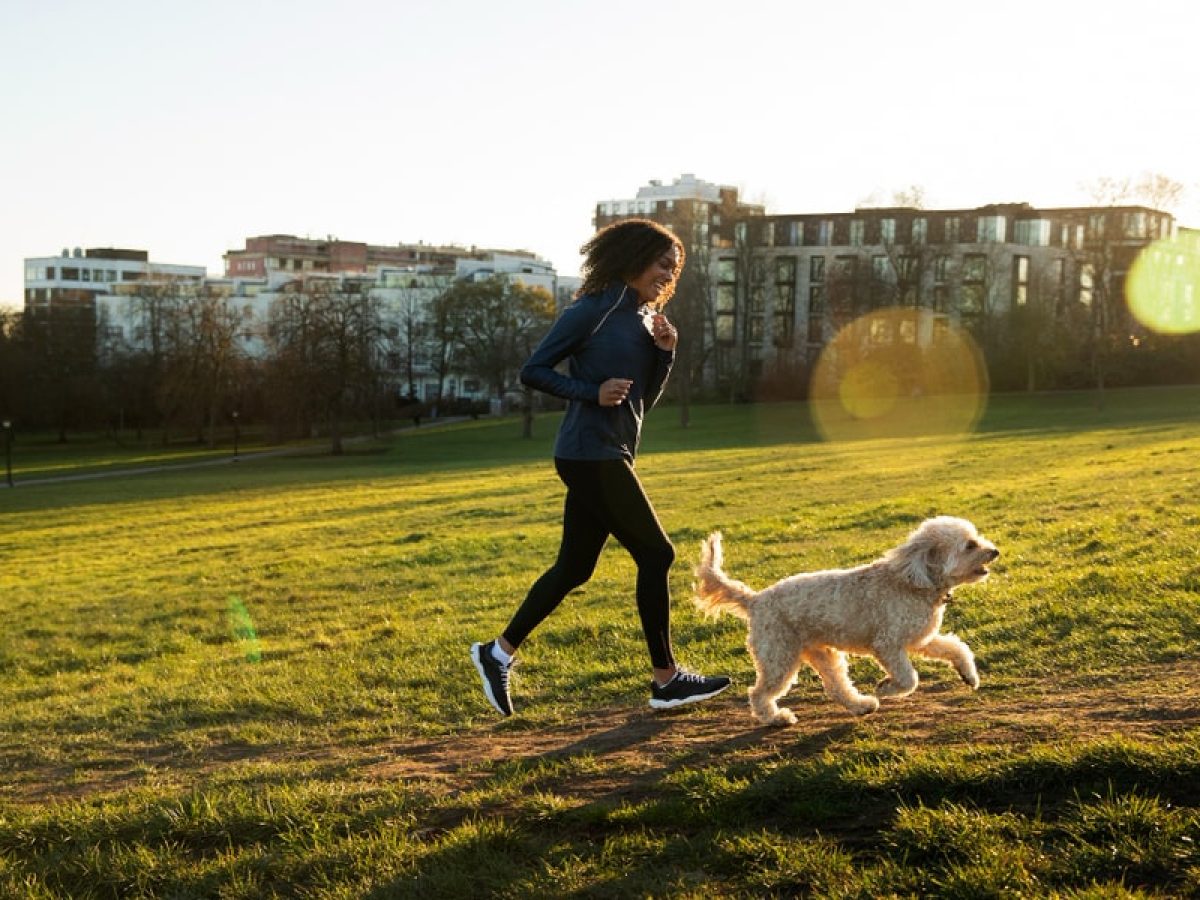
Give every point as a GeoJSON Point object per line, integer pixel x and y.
{"type": "Point", "coordinates": [716, 592]}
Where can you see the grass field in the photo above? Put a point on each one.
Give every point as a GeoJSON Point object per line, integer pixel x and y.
{"type": "Point", "coordinates": [251, 680]}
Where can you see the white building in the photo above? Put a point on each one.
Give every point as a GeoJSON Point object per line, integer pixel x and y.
{"type": "Point", "coordinates": [405, 294]}
{"type": "Point", "coordinates": [80, 277]}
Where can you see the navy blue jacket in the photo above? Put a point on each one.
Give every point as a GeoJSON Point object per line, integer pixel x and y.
{"type": "Point", "coordinates": [621, 348]}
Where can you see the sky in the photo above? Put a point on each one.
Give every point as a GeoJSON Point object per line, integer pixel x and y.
{"type": "Point", "coordinates": [183, 128]}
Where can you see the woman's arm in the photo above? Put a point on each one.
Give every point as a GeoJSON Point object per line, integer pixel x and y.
{"type": "Point", "coordinates": [567, 333]}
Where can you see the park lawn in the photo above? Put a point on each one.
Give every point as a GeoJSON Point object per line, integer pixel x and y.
{"type": "Point", "coordinates": [252, 681]}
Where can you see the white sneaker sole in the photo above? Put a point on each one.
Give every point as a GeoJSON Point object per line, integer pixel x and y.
{"type": "Point", "coordinates": [476, 657]}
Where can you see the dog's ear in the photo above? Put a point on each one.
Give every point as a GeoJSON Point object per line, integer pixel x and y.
{"type": "Point", "coordinates": [920, 562]}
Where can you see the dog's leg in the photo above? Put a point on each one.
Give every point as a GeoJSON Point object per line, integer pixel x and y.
{"type": "Point", "coordinates": [831, 665]}
{"type": "Point", "coordinates": [952, 649]}
{"type": "Point", "coordinates": [902, 677]}
{"type": "Point", "coordinates": [776, 665]}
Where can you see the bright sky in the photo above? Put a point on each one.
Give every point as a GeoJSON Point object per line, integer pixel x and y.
{"type": "Point", "coordinates": [183, 127]}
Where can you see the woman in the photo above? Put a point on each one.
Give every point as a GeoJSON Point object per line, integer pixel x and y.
{"type": "Point", "coordinates": [619, 348]}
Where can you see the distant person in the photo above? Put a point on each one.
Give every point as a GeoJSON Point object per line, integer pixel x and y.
{"type": "Point", "coordinates": [619, 348]}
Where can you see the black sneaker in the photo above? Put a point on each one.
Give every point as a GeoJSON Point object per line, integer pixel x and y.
{"type": "Point", "coordinates": [495, 677]}
{"type": "Point", "coordinates": [686, 687]}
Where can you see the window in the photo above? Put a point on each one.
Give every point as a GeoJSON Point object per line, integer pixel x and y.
{"type": "Point", "coordinates": [856, 232]}
{"type": "Point", "coordinates": [974, 274]}
{"type": "Point", "coordinates": [1058, 278]}
{"type": "Point", "coordinates": [990, 229]}
{"type": "Point", "coordinates": [769, 235]}
{"type": "Point", "coordinates": [1032, 232]}
{"type": "Point", "coordinates": [879, 331]}
{"type": "Point", "coordinates": [908, 276]}
{"type": "Point", "coordinates": [1135, 225]}
{"type": "Point", "coordinates": [887, 231]}
{"type": "Point", "coordinates": [785, 300]}
{"type": "Point", "coordinates": [1087, 283]}
{"type": "Point", "coordinates": [726, 322]}
{"type": "Point", "coordinates": [920, 230]}
{"type": "Point", "coordinates": [951, 227]}
{"type": "Point", "coordinates": [816, 269]}
{"type": "Point", "coordinates": [1020, 280]}
{"type": "Point", "coordinates": [756, 302]}
{"type": "Point", "coordinates": [941, 269]}
{"type": "Point", "coordinates": [825, 233]}
{"type": "Point", "coordinates": [974, 267]}
{"type": "Point", "coordinates": [1095, 226]}
{"type": "Point", "coordinates": [70, 274]}
{"type": "Point", "coordinates": [816, 313]}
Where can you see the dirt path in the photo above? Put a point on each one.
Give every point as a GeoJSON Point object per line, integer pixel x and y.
{"type": "Point", "coordinates": [633, 748]}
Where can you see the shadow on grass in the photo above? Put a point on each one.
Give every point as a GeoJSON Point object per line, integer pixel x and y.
{"type": "Point", "coordinates": [793, 826]}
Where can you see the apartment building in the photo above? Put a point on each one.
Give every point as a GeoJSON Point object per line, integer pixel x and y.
{"type": "Point", "coordinates": [703, 214]}
{"type": "Point", "coordinates": [777, 288]}
{"type": "Point", "coordinates": [789, 282]}
{"type": "Point", "coordinates": [404, 293]}
{"type": "Point", "coordinates": [285, 253]}
{"type": "Point", "coordinates": [79, 277]}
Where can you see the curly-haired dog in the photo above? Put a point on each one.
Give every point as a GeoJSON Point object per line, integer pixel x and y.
{"type": "Point", "coordinates": [885, 609]}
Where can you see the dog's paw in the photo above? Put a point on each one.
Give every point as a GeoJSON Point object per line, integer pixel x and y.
{"type": "Point", "coordinates": [863, 707]}
{"type": "Point", "coordinates": [779, 717]}
{"type": "Point", "coordinates": [889, 688]}
{"type": "Point", "coordinates": [783, 718]}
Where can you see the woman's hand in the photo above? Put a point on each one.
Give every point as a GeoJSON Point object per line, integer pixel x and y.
{"type": "Point", "coordinates": [614, 391]}
{"type": "Point", "coordinates": [664, 333]}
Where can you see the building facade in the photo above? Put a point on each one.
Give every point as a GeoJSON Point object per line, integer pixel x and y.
{"type": "Point", "coordinates": [80, 277]}
{"type": "Point", "coordinates": [268, 254]}
{"type": "Point", "coordinates": [776, 289]}
{"type": "Point", "coordinates": [788, 283]}
{"type": "Point", "coordinates": [403, 295]}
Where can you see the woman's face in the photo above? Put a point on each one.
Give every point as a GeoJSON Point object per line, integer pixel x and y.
{"type": "Point", "coordinates": [659, 276]}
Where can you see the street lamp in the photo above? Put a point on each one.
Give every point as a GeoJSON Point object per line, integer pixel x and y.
{"type": "Point", "coordinates": [235, 435]}
{"type": "Point", "coordinates": [8, 451]}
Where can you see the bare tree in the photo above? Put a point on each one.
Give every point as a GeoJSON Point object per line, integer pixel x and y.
{"type": "Point", "coordinates": [692, 307]}
{"type": "Point", "coordinates": [61, 341]}
{"type": "Point", "coordinates": [324, 338]}
{"type": "Point", "coordinates": [1159, 191]}
{"type": "Point", "coordinates": [203, 356]}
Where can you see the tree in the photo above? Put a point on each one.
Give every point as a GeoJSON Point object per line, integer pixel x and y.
{"type": "Point", "coordinates": [1104, 256]}
{"type": "Point", "coordinates": [203, 357]}
{"type": "Point", "coordinates": [692, 308]}
{"type": "Point", "coordinates": [14, 363]}
{"type": "Point", "coordinates": [324, 339]}
{"type": "Point", "coordinates": [61, 342]}
{"type": "Point", "coordinates": [497, 323]}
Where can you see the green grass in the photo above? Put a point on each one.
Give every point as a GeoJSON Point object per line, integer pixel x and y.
{"type": "Point", "coordinates": [251, 680]}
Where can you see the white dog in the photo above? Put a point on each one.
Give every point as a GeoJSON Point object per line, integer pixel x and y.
{"type": "Point", "coordinates": [886, 609]}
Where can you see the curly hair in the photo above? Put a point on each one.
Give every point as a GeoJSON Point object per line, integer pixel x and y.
{"type": "Point", "coordinates": [624, 250]}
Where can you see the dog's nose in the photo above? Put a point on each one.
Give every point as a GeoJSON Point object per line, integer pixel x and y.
{"type": "Point", "coordinates": [995, 553]}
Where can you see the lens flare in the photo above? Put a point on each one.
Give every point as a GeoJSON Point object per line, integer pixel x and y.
{"type": "Point", "coordinates": [898, 372]}
{"type": "Point", "coordinates": [1163, 286]}
{"type": "Point", "coordinates": [242, 628]}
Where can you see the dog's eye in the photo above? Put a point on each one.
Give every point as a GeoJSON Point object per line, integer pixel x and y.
{"type": "Point", "coordinates": [972, 545]}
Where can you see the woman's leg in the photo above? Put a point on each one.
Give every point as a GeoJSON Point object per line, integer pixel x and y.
{"type": "Point", "coordinates": [583, 538]}
{"type": "Point", "coordinates": [624, 509]}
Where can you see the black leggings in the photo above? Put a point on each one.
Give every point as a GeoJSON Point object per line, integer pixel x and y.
{"type": "Point", "coordinates": [605, 497]}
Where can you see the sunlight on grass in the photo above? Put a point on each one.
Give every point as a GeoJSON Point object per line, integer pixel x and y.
{"type": "Point", "coordinates": [210, 652]}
